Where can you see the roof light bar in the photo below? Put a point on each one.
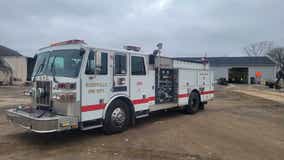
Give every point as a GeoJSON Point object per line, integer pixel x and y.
{"type": "Point", "coordinates": [73, 41]}
{"type": "Point", "coordinates": [132, 48]}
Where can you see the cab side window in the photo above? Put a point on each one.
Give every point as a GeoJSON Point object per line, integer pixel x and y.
{"type": "Point", "coordinates": [90, 67]}
{"type": "Point", "coordinates": [137, 66]}
{"type": "Point", "coordinates": [120, 64]}
{"type": "Point", "coordinates": [104, 64]}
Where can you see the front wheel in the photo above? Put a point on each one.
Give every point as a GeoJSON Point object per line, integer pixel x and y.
{"type": "Point", "coordinates": [193, 103]}
{"type": "Point", "coordinates": [117, 117]}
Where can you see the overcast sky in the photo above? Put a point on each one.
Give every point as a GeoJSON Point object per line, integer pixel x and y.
{"type": "Point", "coordinates": [186, 27]}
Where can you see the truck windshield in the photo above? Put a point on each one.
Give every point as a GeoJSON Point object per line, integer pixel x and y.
{"type": "Point", "coordinates": [64, 63]}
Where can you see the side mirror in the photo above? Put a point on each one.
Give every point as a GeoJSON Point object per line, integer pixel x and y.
{"type": "Point", "coordinates": [82, 52]}
{"type": "Point", "coordinates": [89, 70]}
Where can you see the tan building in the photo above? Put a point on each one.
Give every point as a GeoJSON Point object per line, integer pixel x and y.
{"type": "Point", "coordinates": [13, 66]}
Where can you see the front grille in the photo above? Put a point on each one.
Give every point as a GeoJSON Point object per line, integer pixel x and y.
{"type": "Point", "coordinates": [43, 93]}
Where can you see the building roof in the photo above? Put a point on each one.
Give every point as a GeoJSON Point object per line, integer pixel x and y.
{"type": "Point", "coordinates": [234, 61]}
{"type": "Point", "coordinates": [4, 51]}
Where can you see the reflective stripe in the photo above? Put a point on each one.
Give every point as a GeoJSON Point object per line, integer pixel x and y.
{"type": "Point", "coordinates": [202, 93]}
{"type": "Point", "coordinates": [142, 101]}
{"type": "Point", "coordinates": [92, 107]}
{"type": "Point", "coordinates": [183, 95]}
{"type": "Point", "coordinates": [102, 106]}
{"type": "Point", "coordinates": [135, 102]}
{"type": "Point", "coordinates": [207, 92]}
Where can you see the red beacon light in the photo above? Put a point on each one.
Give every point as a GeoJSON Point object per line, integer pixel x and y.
{"type": "Point", "coordinates": [73, 41]}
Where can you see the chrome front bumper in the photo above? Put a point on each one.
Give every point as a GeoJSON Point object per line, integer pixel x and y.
{"type": "Point", "coordinates": [41, 121]}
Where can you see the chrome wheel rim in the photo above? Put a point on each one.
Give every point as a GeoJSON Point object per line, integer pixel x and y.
{"type": "Point", "coordinates": [118, 117]}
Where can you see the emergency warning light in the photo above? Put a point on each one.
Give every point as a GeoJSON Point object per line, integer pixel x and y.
{"type": "Point", "coordinates": [73, 41]}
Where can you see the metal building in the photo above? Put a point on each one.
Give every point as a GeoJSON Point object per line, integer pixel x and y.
{"type": "Point", "coordinates": [244, 70]}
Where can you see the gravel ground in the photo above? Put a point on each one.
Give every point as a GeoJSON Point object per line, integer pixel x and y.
{"type": "Point", "coordinates": [234, 126]}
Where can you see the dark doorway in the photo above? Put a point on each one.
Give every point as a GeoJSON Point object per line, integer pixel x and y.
{"type": "Point", "coordinates": [30, 67]}
{"type": "Point", "coordinates": [238, 75]}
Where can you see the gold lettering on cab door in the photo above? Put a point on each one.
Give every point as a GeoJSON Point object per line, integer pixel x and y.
{"type": "Point", "coordinates": [96, 84]}
{"type": "Point", "coordinates": [96, 91]}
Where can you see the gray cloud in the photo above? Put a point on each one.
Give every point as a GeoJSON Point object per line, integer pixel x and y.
{"type": "Point", "coordinates": [187, 28]}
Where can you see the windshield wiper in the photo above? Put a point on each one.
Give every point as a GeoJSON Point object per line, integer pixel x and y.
{"type": "Point", "coordinates": [52, 69]}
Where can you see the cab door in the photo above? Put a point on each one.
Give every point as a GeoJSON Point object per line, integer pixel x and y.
{"type": "Point", "coordinates": [120, 74]}
{"type": "Point", "coordinates": [96, 85]}
{"type": "Point", "coordinates": [140, 85]}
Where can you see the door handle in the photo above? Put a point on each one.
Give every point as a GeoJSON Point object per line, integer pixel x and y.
{"type": "Point", "coordinates": [91, 77]}
{"type": "Point", "coordinates": [121, 81]}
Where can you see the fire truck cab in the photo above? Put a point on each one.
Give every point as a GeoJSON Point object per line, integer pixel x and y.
{"type": "Point", "coordinates": [76, 86]}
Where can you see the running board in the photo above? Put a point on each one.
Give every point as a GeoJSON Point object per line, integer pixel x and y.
{"type": "Point", "coordinates": [142, 116]}
{"type": "Point", "coordinates": [91, 127]}
{"type": "Point", "coordinates": [142, 113]}
{"type": "Point", "coordinates": [92, 124]}
{"type": "Point", "coordinates": [163, 106]}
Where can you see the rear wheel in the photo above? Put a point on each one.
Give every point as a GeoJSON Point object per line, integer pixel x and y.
{"type": "Point", "coordinates": [117, 117]}
{"type": "Point", "coordinates": [193, 103]}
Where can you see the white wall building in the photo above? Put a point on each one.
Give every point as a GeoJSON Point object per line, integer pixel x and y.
{"type": "Point", "coordinates": [12, 61]}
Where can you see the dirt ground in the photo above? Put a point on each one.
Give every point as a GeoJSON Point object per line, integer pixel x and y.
{"type": "Point", "coordinates": [260, 91]}
{"type": "Point", "coordinates": [235, 126]}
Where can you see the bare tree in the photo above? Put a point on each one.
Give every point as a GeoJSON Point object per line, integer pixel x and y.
{"type": "Point", "coordinates": [259, 48]}
{"type": "Point", "coordinates": [277, 54]}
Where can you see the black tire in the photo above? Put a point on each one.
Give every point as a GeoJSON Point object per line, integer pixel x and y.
{"type": "Point", "coordinates": [117, 117]}
{"type": "Point", "coordinates": [193, 103]}
{"type": "Point", "coordinates": [202, 106]}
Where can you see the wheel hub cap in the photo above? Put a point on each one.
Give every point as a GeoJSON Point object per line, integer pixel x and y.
{"type": "Point", "coordinates": [118, 117]}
